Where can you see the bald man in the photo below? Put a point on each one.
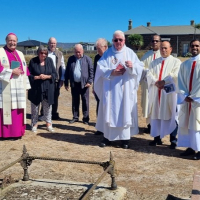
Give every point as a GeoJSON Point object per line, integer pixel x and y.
{"type": "Point", "coordinates": [161, 78]}
{"type": "Point", "coordinates": [79, 73]}
{"type": "Point", "coordinates": [59, 64]}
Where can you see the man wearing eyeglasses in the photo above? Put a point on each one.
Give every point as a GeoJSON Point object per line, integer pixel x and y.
{"type": "Point", "coordinates": [189, 98]}
{"type": "Point", "coordinates": [162, 106]}
{"type": "Point", "coordinates": [147, 58]}
{"type": "Point", "coordinates": [116, 82]}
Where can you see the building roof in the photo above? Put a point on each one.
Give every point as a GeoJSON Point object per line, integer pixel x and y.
{"type": "Point", "coordinates": [30, 43]}
{"type": "Point", "coordinates": [65, 46]}
{"type": "Point", "coordinates": [164, 30]}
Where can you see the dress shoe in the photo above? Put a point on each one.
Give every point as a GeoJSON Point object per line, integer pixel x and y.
{"type": "Point", "coordinates": [188, 152]}
{"type": "Point", "coordinates": [154, 142]}
{"type": "Point", "coordinates": [105, 142]}
{"type": "Point", "coordinates": [148, 129]}
{"type": "Point", "coordinates": [125, 144]}
{"type": "Point", "coordinates": [73, 120]}
{"type": "Point", "coordinates": [98, 133]}
{"type": "Point", "coordinates": [86, 123]}
{"type": "Point", "coordinates": [172, 145]}
{"type": "Point", "coordinates": [55, 118]}
{"type": "Point", "coordinates": [197, 156]}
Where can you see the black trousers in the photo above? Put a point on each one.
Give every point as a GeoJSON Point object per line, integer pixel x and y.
{"type": "Point", "coordinates": [55, 105]}
{"type": "Point", "coordinates": [97, 99]}
{"type": "Point", "coordinates": [78, 92]}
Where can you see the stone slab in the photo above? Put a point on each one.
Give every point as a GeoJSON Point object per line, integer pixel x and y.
{"type": "Point", "coordinates": [57, 190]}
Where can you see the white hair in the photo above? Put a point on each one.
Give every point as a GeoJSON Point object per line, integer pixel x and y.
{"type": "Point", "coordinates": [118, 32]}
{"type": "Point", "coordinates": [102, 42]}
{"type": "Point", "coordinates": [78, 46]}
{"type": "Point", "coordinates": [52, 38]}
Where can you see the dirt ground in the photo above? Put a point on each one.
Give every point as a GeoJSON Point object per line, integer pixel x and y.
{"type": "Point", "coordinates": [146, 172]}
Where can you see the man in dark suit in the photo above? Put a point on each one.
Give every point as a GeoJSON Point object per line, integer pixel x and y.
{"type": "Point", "coordinates": [79, 72]}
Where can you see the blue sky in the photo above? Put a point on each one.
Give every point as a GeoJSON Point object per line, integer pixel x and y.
{"type": "Point", "coordinates": [88, 20]}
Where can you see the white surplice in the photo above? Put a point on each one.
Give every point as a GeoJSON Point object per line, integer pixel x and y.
{"type": "Point", "coordinates": [117, 114]}
{"type": "Point", "coordinates": [189, 122]}
{"type": "Point", "coordinates": [147, 58]}
{"type": "Point", "coordinates": [162, 115]}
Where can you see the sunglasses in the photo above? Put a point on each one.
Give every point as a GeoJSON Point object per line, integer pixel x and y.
{"type": "Point", "coordinates": [155, 41]}
{"type": "Point", "coordinates": [192, 46]}
{"type": "Point", "coordinates": [43, 53]}
{"type": "Point", "coordinates": [116, 40]}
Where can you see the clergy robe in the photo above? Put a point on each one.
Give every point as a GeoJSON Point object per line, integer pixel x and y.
{"type": "Point", "coordinates": [117, 116]}
{"type": "Point", "coordinates": [189, 114]}
{"type": "Point", "coordinates": [162, 111]}
{"type": "Point", "coordinates": [147, 58]}
{"type": "Point", "coordinates": [18, 85]}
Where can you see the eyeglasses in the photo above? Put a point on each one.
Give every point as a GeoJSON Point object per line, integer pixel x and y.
{"type": "Point", "coordinates": [192, 46]}
{"type": "Point", "coordinates": [43, 53]}
{"type": "Point", "coordinates": [155, 41]}
{"type": "Point", "coordinates": [116, 40]}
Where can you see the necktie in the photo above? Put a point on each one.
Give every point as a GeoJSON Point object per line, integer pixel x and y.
{"type": "Point", "coordinates": [160, 76]}
{"type": "Point", "coordinates": [190, 83]}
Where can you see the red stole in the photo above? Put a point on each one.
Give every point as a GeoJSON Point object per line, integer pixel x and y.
{"type": "Point", "coordinates": [160, 76]}
{"type": "Point", "coordinates": [154, 56]}
{"type": "Point", "coordinates": [190, 83]}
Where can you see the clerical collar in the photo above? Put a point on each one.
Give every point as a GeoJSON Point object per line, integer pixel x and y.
{"type": "Point", "coordinates": [156, 51]}
{"type": "Point", "coordinates": [165, 58]}
{"type": "Point", "coordinates": [195, 58]}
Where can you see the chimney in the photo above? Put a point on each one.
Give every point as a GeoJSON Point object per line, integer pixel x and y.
{"type": "Point", "coordinates": [192, 23]}
{"type": "Point", "coordinates": [129, 24]}
{"type": "Point", "coordinates": [148, 24]}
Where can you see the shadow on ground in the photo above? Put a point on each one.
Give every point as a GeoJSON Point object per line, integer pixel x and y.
{"type": "Point", "coordinates": [89, 138]}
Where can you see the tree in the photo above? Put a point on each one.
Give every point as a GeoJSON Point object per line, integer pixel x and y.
{"type": "Point", "coordinates": [197, 26]}
{"type": "Point", "coordinates": [109, 44]}
{"type": "Point", "coordinates": [136, 40]}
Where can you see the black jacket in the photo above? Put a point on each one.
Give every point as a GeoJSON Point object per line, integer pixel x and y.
{"type": "Point", "coordinates": [86, 71]}
{"type": "Point", "coordinates": [37, 86]}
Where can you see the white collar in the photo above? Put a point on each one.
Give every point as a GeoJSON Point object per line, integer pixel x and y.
{"type": "Point", "coordinates": [195, 58]}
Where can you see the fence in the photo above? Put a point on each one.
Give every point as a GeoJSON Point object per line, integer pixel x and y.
{"type": "Point", "coordinates": [109, 167]}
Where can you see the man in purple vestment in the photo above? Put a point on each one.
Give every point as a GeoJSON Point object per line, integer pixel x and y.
{"type": "Point", "coordinates": [13, 85]}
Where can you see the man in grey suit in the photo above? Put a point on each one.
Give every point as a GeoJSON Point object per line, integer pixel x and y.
{"type": "Point", "coordinates": [79, 73]}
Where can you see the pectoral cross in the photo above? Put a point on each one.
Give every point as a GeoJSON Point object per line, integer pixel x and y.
{"type": "Point", "coordinates": [6, 114]}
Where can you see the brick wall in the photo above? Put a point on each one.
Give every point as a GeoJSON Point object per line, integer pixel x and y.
{"type": "Point", "coordinates": [174, 39]}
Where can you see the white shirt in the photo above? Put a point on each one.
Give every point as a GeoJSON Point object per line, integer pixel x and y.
{"type": "Point", "coordinates": [53, 56]}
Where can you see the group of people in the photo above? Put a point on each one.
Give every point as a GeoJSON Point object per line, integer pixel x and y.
{"type": "Point", "coordinates": [170, 96]}
{"type": "Point", "coordinates": [170, 90]}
